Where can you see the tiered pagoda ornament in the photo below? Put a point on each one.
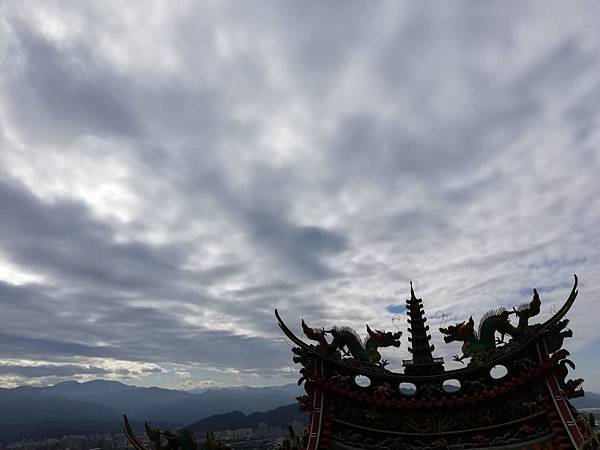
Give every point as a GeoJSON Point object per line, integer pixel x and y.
{"type": "Point", "coordinates": [423, 362]}
{"type": "Point", "coordinates": [512, 396]}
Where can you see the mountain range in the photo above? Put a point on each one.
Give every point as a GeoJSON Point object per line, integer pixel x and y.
{"type": "Point", "coordinates": [34, 409]}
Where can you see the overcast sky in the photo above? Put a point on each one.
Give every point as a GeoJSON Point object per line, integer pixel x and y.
{"type": "Point", "coordinates": [171, 172]}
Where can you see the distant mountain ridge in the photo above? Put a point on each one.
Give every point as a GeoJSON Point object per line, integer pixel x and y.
{"type": "Point", "coordinates": [99, 401]}
{"type": "Point", "coordinates": [590, 400]}
{"type": "Point", "coordinates": [246, 400]}
{"type": "Point", "coordinates": [281, 417]}
{"type": "Point", "coordinates": [115, 395]}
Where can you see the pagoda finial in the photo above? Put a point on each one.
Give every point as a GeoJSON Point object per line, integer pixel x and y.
{"type": "Point", "coordinates": [412, 292]}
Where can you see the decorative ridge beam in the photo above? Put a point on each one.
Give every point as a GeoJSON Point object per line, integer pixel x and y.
{"type": "Point", "coordinates": [565, 308]}
{"type": "Point", "coordinates": [130, 435]}
{"type": "Point", "coordinates": [291, 335]}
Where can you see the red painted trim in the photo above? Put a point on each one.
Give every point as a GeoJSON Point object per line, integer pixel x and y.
{"type": "Point", "coordinates": [560, 402]}
{"type": "Point", "coordinates": [316, 417]}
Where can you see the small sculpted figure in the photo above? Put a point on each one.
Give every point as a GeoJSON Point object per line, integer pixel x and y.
{"type": "Point", "coordinates": [527, 311]}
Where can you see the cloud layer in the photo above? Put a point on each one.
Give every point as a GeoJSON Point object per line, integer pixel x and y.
{"type": "Point", "coordinates": [171, 174]}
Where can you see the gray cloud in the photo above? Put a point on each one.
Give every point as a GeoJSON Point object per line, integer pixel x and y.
{"type": "Point", "coordinates": [46, 370]}
{"type": "Point", "coordinates": [64, 239]}
{"type": "Point", "coordinates": [170, 177]}
{"type": "Point", "coordinates": [67, 89]}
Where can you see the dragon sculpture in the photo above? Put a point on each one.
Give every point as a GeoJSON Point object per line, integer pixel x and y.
{"type": "Point", "coordinates": [179, 440]}
{"type": "Point", "coordinates": [484, 340]}
{"type": "Point", "coordinates": [347, 341]}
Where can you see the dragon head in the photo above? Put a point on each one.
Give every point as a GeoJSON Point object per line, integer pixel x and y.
{"type": "Point", "coordinates": [385, 338]}
{"type": "Point", "coordinates": [459, 331]}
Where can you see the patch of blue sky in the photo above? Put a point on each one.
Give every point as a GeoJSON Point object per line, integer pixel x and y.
{"type": "Point", "coordinates": [396, 309]}
{"type": "Point", "coordinates": [557, 263]}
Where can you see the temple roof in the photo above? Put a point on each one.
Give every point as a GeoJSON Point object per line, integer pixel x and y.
{"type": "Point", "coordinates": [531, 338]}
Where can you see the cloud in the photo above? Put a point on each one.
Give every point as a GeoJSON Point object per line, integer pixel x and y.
{"type": "Point", "coordinates": [65, 89]}
{"type": "Point", "coordinates": [199, 384]}
{"type": "Point", "coordinates": [64, 240]}
{"type": "Point", "coordinates": [65, 370]}
{"type": "Point", "coordinates": [170, 176]}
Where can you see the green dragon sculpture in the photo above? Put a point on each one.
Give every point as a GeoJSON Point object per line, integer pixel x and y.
{"type": "Point", "coordinates": [484, 340]}
{"type": "Point", "coordinates": [347, 341]}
